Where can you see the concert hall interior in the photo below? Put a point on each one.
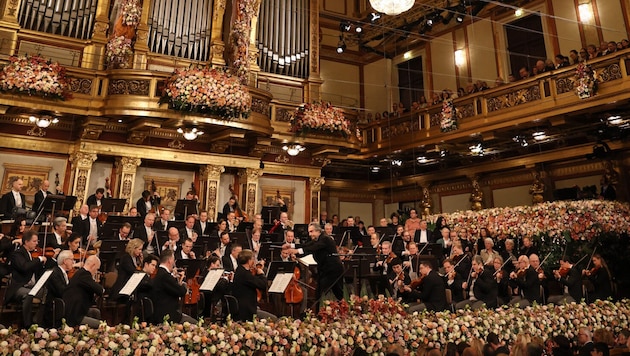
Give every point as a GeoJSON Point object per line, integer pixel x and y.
{"type": "Point", "coordinates": [220, 159]}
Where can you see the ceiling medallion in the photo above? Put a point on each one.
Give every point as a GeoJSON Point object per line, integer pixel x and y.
{"type": "Point", "coordinates": [392, 7]}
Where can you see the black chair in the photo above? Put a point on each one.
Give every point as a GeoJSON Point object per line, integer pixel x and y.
{"type": "Point", "coordinates": [58, 312]}
{"type": "Point", "coordinates": [146, 309]}
{"type": "Point", "coordinates": [231, 305]}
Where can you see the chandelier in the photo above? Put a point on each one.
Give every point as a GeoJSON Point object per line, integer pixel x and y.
{"type": "Point", "coordinates": [392, 7]}
{"type": "Point", "coordinates": [293, 150]}
{"type": "Point", "coordinates": [44, 121]}
{"type": "Point", "coordinates": [190, 134]}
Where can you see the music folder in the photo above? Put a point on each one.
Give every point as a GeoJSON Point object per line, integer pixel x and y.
{"type": "Point", "coordinates": [40, 282]}
{"type": "Point", "coordinates": [112, 205]}
{"type": "Point", "coordinates": [132, 283]}
{"type": "Point", "coordinates": [185, 207]}
{"type": "Point", "coordinates": [211, 280]}
{"type": "Point", "coordinates": [280, 282]}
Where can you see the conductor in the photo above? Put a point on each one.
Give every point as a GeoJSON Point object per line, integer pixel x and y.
{"type": "Point", "coordinates": [324, 252]}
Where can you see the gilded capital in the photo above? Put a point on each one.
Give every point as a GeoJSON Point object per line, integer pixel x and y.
{"type": "Point", "coordinates": [82, 159]}
{"type": "Point", "coordinates": [212, 171]}
{"type": "Point", "coordinates": [251, 174]}
{"type": "Point", "coordinates": [316, 183]}
{"type": "Point", "coordinates": [128, 164]}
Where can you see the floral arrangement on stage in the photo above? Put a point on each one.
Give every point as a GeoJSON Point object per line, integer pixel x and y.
{"type": "Point", "coordinates": [586, 81]}
{"type": "Point", "coordinates": [321, 117]}
{"type": "Point", "coordinates": [578, 220]}
{"type": "Point", "coordinates": [207, 91]}
{"type": "Point", "coordinates": [131, 10]}
{"type": "Point", "coordinates": [36, 76]}
{"type": "Point", "coordinates": [359, 328]}
{"type": "Point", "coordinates": [448, 121]}
{"type": "Point", "coordinates": [117, 51]}
{"type": "Point", "coordinates": [239, 37]}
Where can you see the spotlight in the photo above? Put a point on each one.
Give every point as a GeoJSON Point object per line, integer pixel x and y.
{"type": "Point", "coordinates": [443, 153]}
{"type": "Point", "coordinates": [341, 46]}
{"type": "Point", "coordinates": [358, 28]}
{"type": "Point", "coordinates": [539, 135]}
{"type": "Point", "coordinates": [422, 159]}
{"type": "Point", "coordinates": [374, 16]}
{"type": "Point", "coordinates": [459, 18]}
{"type": "Point", "coordinates": [430, 22]}
{"type": "Point", "coordinates": [397, 163]}
{"type": "Point", "coordinates": [345, 26]}
{"type": "Point", "coordinates": [375, 169]}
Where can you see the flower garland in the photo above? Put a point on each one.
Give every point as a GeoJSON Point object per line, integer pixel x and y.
{"type": "Point", "coordinates": [118, 50]}
{"type": "Point", "coordinates": [34, 75]}
{"type": "Point", "coordinates": [239, 38]}
{"type": "Point", "coordinates": [320, 116]}
{"type": "Point", "coordinates": [130, 10]}
{"type": "Point", "coordinates": [207, 91]}
{"type": "Point", "coordinates": [448, 121]}
{"type": "Point", "coordinates": [359, 328]}
{"type": "Point", "coordinates": [580, 220]}
{"type": "Point", "coordinates": [586, 81]}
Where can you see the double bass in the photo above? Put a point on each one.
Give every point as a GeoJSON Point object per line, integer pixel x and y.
{"type": "Point", "coordinates": [240, 215]}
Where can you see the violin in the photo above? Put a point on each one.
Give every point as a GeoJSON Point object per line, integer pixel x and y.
{"type": "Point", "coordinates": [254, 270]}
{"type": "Point", "coordinates": [48, 252]}
{"type": "Point", "coordinates": [521, 273]}
{"type": "Point", "coordinates": [379, 249]}
{"type": "Point", "coordinates": [417, 282]}
{"type": "Point", "coordinates": [390, 257]}
{"type": "Point", "coordinates": [563, 272]}
{"type": "Point", "coordinates": [592, 271]}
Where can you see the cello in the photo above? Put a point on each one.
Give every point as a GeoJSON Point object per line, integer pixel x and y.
{"type": "Point", "coordinates": [293, 294]}
{"type": "Point", "coordinates": [192, 296]}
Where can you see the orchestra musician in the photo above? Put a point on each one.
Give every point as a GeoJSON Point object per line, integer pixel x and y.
{"type": "Point", "coordinates": [399, 278]}
{"type": "Point", "coordinates": [57, 283]}
{"type": "Point", "coordinates": [232, 222]}
{"type": "Point", "coordinates": [190, 196]}
{"type": "Point", "coordinates": [571, 277]}
{"type": "Point", "coordinates": [230, 260]}
{"type": "Point", "coordinates": [123, 233]}
{"type": "Point", "coordinates": [247, 279]}
{"type": "Point", "coordinates": [146, 233]}
{"type": "Point", "coordinates": [329, 265]}
{"type": "Point", "coordinates": [400, 243]}
{"type": "Point", "coordinates": [162, 223]}
{"type": "Point", "coordinates": [130, 263]}
{"type": "Point", "coordinates": [133, 212]}
{"type": "Point", "coordinates": [508, 254]}
{"type": "Point", "coordinates": [80, 222]}
{"type": "Point", "coordinates": [502, 277]}
{"type": "Point", "coordinates": [374, 239]}
{"type": "Point", "coordinates": [481, 286]}
{"type": "Point", "coordinates": [382, 268]}
{"type": "Point", "coordinates": [147, 202]}
{"type": "Point", "coordinates": [96, 198]}
{"type": "Point", "coordinates": [412, 259]}
{"type": "Point", "coordinates": [25, 270]}
{"type": "Point", "coordinates": [600, 276]}
{"type": "Point", "coordinates": [94, 226]}
{"type": "Point", "coordinates": [188, 231]}
{"type": "Point", "coordinates": [527, 281]}
{"type": "Point", "coordinates": [149, 266]}
{"type": "Point", "coordinates": [453, 280]}
{"type": "Point", "coordinates": [285, 256]}
{"type": "Point", "coordinates": [462, 261]}
{"type": "Point", "coordinates": [433, 291]}
{"type": "Point", "coordinates": [221, 227]}
{"type": "Point", "coordinates": [167, 291]}
{"type": "Point", "coordinates": [14, 198]}
{"type": "Point", "coordinates": [41, 194]}
{"type": "Point", "coordinates": [289, 237]}
{"type": "Point", "coordinates": [211, 308]}
{"type": "Point", "coordinates": [184, 251]}
{"type": "Point", "coordinates": [79, 295]}
{"type": "Point", "coordinates": [73, 244]}
{"type": "Point", "coordinates": [255, 243]}
{"type": "Point", "coordinates": [328, 230]}
{"type": "Point", "coordinates": [60, 233]}
{"type": "Point", "coordinates": [202, 226]}
{"type": "Point", "coordinates": [284, 223]}
{"type": "Point", "coordinates": [230, 206]}
{"type": "Point", "coordinates": [225, 245]}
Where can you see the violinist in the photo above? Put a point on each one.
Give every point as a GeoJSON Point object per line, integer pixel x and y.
{"type": "Point", "coordinates": [167, 291]}
{"type": "Point", "coordinates": [96, 198]}
{"type": "Point", "coordinates": [203, 226]}
{"type": "Point", "coordinates": [221, 228]}
{"type": "Point", "coordinates": [453, 281]}
{"type": "Point", "coordinates": [245, 285]}
{"type": "Point", "coordinates": [163, 223]}
{"type": "Point", "coordinates": [230, 260]}
{"type": "Point", "coordinates": [225, 245]}
{"type": "Point", "coordinates": [211, 307]}
{"type": "Point", "coordinates": [184, 251]}
{"type": "Point", "coordinates": [528, 283]}
{"type": "Point", "coordinates": [130, 263]}
{"type": "Point", "coordinates": [481, 286]}
{"type": "Point", "coordinates": [412, 260]}
{"type": "Point", "coordinates": [79, 295]}
{"type": "Point", "coordinates": [502, 277]}
{"type": "Point", "coordinates": [508, 254]}
{"type": "Point", "coordinates": [57, 283]}
{"type": "Point", "coordinates": [374, 239]}
{"type": "Point", "coordinates": [9, 243]}
{"type": "Point", "coordinates": [400, 243]}
{"type": "Point", "coordinates": [600, 276]}
{"type": "Point", "coordinates": [328, 229]}
{"type": "Point", "coordinates": [73, 244]}
{"type": "Point", "coordinates": [433, 291]}
{"type": "Point", "coordinates": [80, 222]}
{"type": "Point", "coordinates": [189, 229]}
{"type": "Point", "coordinates": [399, 279]}
{"type": "Point", "coordinates": [148, 202]}
{"type": "Point", "coordinates": [25, 270]}
{"type": "Point", "coordinates": [534, 261]}
{"type": "Point", "coordinates": [571, 278]}
{"type": "Point", "coordinates": [60, 233]}
{"type": "Point", "coordinates": [462, 263]}
{"type": "Point", "coordinates": [382, 268]}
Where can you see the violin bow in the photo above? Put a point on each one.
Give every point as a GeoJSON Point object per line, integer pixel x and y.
{"type": "Point", "coordinates": [544, 259]}
{"type": "Point", "coordinates": [500, 268]}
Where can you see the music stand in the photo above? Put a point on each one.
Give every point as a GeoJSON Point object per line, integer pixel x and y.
{"type": "Point", "coordinates": [265, 253]}
{"type": "Point", "coordinates": [348, 232]}
{"type": "Point", "coordinates": [113, 205]}
{"type": "Point", "coordinates": [244, 226]}
{"type": "Point", "coordinates": [276, 267]}
{"type": "Point", "coordinates": [185, 207]}
{"type": "Point", "coordinates": [52, 202]}
{"type": "Point", "coordinates": [301, 230]}
{"type": "Point", "coordinates": [69, 203]}
{"type": "Point", "coordinates": [192, 267]}
{"type": "Point", "coordinates": [385, 232]}
{"type": "Point", "coordinates": [270, 213]}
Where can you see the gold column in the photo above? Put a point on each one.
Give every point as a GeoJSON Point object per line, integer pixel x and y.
{"type": "Point", "coordinates": [316, 191]}
{"type": "Point", "coordinates": [210, 176]}
{"type": "Point", "coordinates": [81, 167]}
{"type": "Point", "coordinates": [93, 54]}
{"type": "Point", "coordinates": [9, 25]}
{"type": "Point", "coordinates": [9, 11]}
{"type": "Point", "coordinates": [313, 90]}
{"type": "Point", "coordinates": [126, 176]}
{"type": "Point", "coordinates": [253, 50]}
{"type": "Point", "coordinates": [250, 177]}
{"type": "Point", "coordinates": [217, 46]}
{"type": "Point", "coordinates": [476, 196]}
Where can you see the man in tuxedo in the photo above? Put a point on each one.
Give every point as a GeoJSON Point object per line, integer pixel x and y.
{"type": "Point", "coordinates": [173, 240]}
{"type": "Point", "coordinates": [400, 280]}
{"type": "Point", "coordinates": [13, 199]}
{"type": "Point", "coordinates": [244, 286]}
{"type": "Point", "coordinates": [383, 268]}
{"type": "Point", "coordinates": [423, 235]}
{"type": "Point", "coordinates": [57, 283]}
{"type": "Point", "coordinates": [433, 293]}
{"type": "Point", "coordinates": [453, 281]}
{"type": "Point", "coordinates": [162, 223]}
{"type": "Point", "coordinates": [225, 245]}
{"type": "Point", "coordinates": [202, 226]}
{"type": "Point", "coordinates": [232, 222]}
{"type": "Point", "coordinates": [146, 233]}
{"type": "Point", "coordinates": [184, 251]}
{"type": "Point", "coordinates": [188, 231]}
{"type": "Point", "coordinates": [230, 260]}
{"type": "Point", "coordinates": [167, 291]}
{"type": "Point", "coordinates": [147, 202]}
{"type": "Point", "coordinates": [41, 194]}
{"type": "Point", "coordinates": [571, 278]}
{"type": "Point", "coordinates": [329, 265]}
{"type": "Point", "coordinates": [60, 233]}
{"type": "Point", "coordinates": [80, 223]}
{"type": "Point", "coordinates": [79, 295]}
{"type": "Point", "coordinates": [25, 272]}
{"type": "Point", "coordinates": [93, 227]}
{"type": "Point", "coordinates": [526, 279]}
{"type": "Point", "coordinates": [483, 287]}
{"type": "Point", "coordinates": [122, 234]}
{"type": "Point", "coordinates": [96, 198]}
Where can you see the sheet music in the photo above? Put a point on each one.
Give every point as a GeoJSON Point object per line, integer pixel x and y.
{"type": "Point", "coordinates": [307, 260]}
{"type": "Point", "coordinates": [211, 279]}
{"type": "Point", "coordinates": [132, 283]}
{"type": "Point", "coordinates": [40, 282]}
{"type": "Point", "coordinates": [281, 282]}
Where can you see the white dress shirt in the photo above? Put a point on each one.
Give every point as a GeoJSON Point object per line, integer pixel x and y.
{"type": "Point", "coordinates": [18, 199]}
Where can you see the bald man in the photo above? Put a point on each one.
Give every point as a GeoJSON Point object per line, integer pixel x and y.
{"type": "Point", "coordinates": [79, 295]}
{"type": "Point", "coordinates": [41, 194]}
